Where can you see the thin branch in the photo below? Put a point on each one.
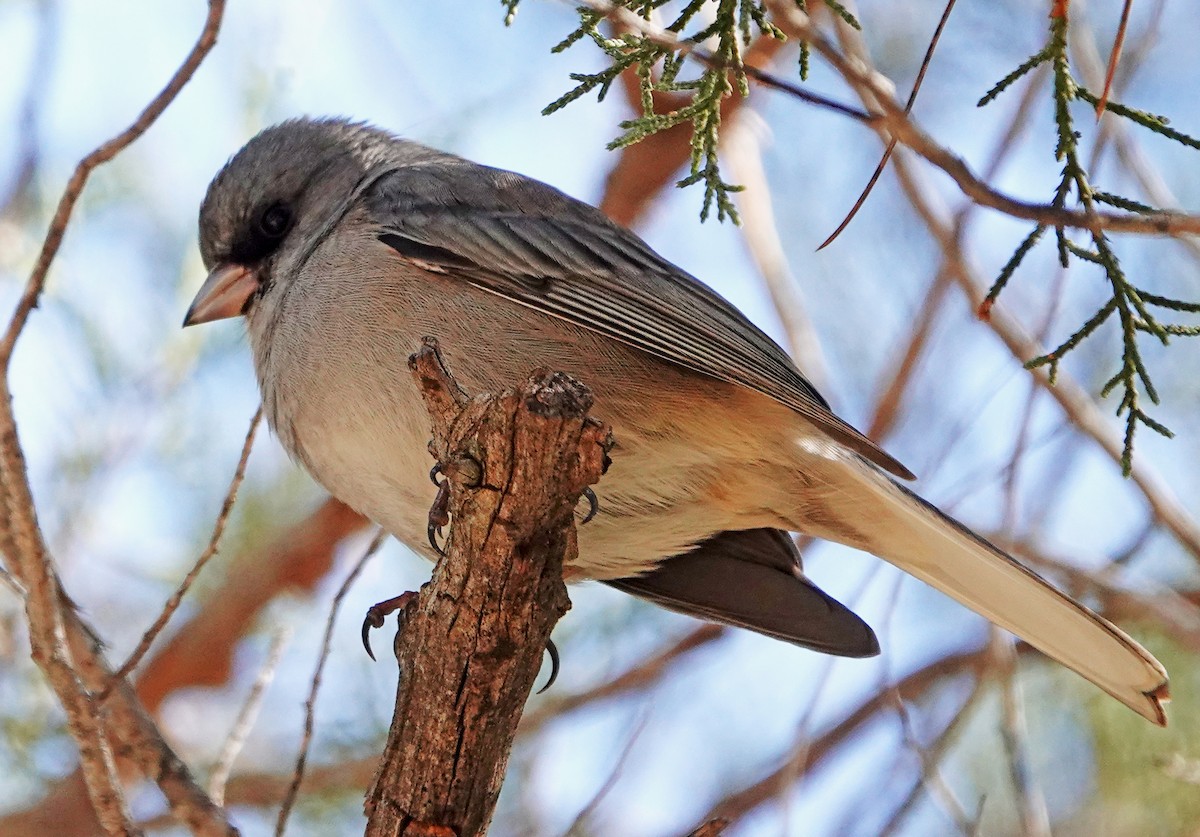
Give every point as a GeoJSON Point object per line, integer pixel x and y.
{"type": "Point", "coordinates": [244, 722]}
{"type": "Point", "coordinates": [891, 146]}
{"type": "Point", "coordinates": [1085, 416]}
{"type": "Point", "coordinates": [934, 752]}
{"type": "Point", "coordinates": [929, 760]}
{"type": "Point", "coordinates": [62, 647]}
{"type": "Point", "coordinates": [104, 153]}
{"type": "Point", "coordinates": [893, 122]}
{"type": "Point", "coordinates": [745, 800]}
{"type": "Point", "coordinates": [314, 688]}
{"type": "Point", "coordinates": [1114, 58]}
{"type": "Point", "coordinates": [585, 813]}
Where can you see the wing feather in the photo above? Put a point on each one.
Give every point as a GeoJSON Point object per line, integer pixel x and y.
{"type": "Point", "coordinates": [530, 243]}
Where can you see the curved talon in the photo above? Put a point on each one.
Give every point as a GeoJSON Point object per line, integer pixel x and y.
{"type": "Point", "coordinates": [377, 613]}
{"type": "Point", "coordinates": [434, 473]}
{"type": "Point", "coordinates": [593, 507]}
{"type": "Point", "coordinates": [552, 650]}
{"type": "Point", "coordinates": [434, 531]}
{"type": "Point", "coordinates": [367, 625]}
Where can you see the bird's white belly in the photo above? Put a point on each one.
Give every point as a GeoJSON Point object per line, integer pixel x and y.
{"type": "Point", "coordinates": [690, 451]}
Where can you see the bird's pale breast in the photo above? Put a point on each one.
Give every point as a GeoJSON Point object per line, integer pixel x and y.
{"type": "Point", "coordinates": [341, 399]}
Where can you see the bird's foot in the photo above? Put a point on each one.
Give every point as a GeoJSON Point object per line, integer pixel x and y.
{"type": "Point", "coordinates": [466, 471]}
{"type": "Point", "coordinates": [377, 613]}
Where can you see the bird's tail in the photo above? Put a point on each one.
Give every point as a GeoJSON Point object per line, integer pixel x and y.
{"type": "Point", "coordinates": [924, 542]}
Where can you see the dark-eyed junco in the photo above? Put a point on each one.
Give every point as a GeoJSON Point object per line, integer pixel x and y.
{"type": "Point", "coordinates": [343, 246]}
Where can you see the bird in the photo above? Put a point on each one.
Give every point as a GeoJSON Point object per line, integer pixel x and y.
{"type": "Point", "coordinates": [343, 246]}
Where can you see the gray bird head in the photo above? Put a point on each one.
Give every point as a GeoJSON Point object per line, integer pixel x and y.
{"type": "Point", "coordinates": [272, 197]}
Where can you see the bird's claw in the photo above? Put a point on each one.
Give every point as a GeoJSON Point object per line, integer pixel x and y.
{"type": "Point", "coordinates": [377, 613]}
{"type": "Point", "coordinates": [593, 507]}
{"type": "Point", "coordinates": [552, 650]}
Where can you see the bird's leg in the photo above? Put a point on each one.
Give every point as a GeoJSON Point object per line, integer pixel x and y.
{"type": "Point", "coordinates": [377, 613]}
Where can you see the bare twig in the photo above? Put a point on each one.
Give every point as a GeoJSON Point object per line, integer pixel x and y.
{"type": "Point", "coordinates": [934, 752]}
{"type": "Point", "coordinates": [104, 153]}
{"type": "Point", "coordinates": [931, 774]}
{"type": "Point", "coordinates": [741, 802]}
{"type": "Point", "coordinates": [314, 688]}
{"type": "Point", "coordinates": [893, 122]}
{"type": "Point", "coordinates": [62, 647]}
{"type": "Point", "coordinates": [585, 813]}
{"type": "Point", "coordinates": [1114, 58]}
{"type": "Point", "coordinates": [1031, 803]}
{"type": "Point", "coordinates": [891, 146]}
{"type": "Point", "coordinates": [1085, 416]}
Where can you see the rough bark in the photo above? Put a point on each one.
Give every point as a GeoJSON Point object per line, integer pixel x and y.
{"type": "Point", "coordinates": [469, 650]}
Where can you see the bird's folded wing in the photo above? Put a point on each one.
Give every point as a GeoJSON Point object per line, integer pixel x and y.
{"type": "Point", "coordinates": [532, 244]}
{"type": "Point", "coordinates": [752, 579]}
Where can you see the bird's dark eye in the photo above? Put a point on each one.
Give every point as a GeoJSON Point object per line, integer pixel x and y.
{"type": "Point", "coordinates": [275, 221]}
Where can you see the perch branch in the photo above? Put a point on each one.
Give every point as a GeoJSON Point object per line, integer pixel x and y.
{"type": "Point", "coordinates": [470, 648]}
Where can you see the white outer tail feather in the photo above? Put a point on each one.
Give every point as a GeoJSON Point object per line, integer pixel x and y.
{"type": "Point", "coordinates": [921, 540]}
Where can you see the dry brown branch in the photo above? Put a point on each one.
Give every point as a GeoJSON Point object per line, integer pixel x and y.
{"type": "Point", "coordinates": [1071, 397]}
{"type": "Point", "coordinates": [712, 828]}
{"type": "Point", "coordinates": [516, 464]}
{"type": "Point", "coordinates": [104, 153]}
{"type": "Point", "coordinates": [141, 748]}
{"type": "Point", "coordinates": [1031, 802]}
{"type": "Point", "coordinates": [893, 122]}
{"type": "Point", "coordinates": [200, 652]}
{"type": "Point", "coordinates": [931, 773]}
{"type": "Point", "coordinates": [65, 650]}
{"type": "Point", "coordinates": [580, 825]}
{"type": "Point", "coordinates": [891, 146]}
{"type": "Point", "coordinates": [934, 752]}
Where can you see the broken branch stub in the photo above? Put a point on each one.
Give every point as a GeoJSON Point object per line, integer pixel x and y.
{"type": "Point", "coordinates": [470, 649]}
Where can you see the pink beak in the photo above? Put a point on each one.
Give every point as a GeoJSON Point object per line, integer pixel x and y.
{"type": "Point", "coordinates": [223, 294]}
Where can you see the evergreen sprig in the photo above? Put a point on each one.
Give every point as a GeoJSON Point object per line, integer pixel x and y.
{"type": "Point", "coordinates": [731, 25]}
{"type": "Point", "coordinates": [1130, 304]}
